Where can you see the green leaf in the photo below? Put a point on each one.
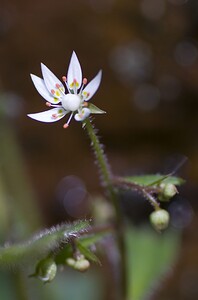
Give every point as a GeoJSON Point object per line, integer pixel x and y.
{"type": "Point", "coordinates": [41, 244]}
{"type": "Point", "coordinates": [95, 110]}
{"type": "Point", "coordinates": [149, 258]}
{"type": "Point", "coordinates": [154, 180]}
{"type": "Point", "coordinates": [87, 252]}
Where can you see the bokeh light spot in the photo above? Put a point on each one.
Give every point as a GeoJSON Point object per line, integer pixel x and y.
{"type": "Point", "coordinates": [146, 97]}
{"type": "Point", "coordinates": [181, 213]}
{"type": "Point", "coordinates": [186, 53]}
{"type": "Point", "coordinates": [132, 62]}
{"type": "Point", "coordinates": [153, 9]}
{"type": "Point", "coordinates": [72, 194]}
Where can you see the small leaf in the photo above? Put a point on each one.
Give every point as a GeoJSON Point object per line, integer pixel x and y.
{"type": "Point", "coordinates": [89, 240]}
{"type": "Point", "coordinates": [87, 252]}
{"type": "Point", "coordinates": [154, 180]}
{"type": "Point", "coordinates": [86, 240]}
{"type": "Point", "coordinates": [95, 110]}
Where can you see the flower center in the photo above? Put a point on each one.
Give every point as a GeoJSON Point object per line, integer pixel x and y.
{"type": "Point", "coordinates": [71, 102]}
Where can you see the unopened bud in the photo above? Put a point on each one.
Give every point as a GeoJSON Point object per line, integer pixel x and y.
{"type": "Point", "coordinates": [159, 219]}
{"type": "Point", "coordinates": [168, 190]}
{"type": "Point", "coordinates": [81, 264]}
{"type": "Point", "coordinates": [70, 261]}
{"type": "Point", "coordinates": [46, 270]}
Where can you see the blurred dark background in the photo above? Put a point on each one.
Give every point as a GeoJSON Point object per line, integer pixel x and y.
{"type": "Point", "coordinates": [148, 51]}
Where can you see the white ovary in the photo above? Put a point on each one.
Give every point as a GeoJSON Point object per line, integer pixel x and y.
{"type": "Point", "coordinates": [71, 102]}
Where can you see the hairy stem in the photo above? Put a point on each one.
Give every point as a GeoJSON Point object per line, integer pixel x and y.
{"type": "Point", "coordinates": [146, 191]}
{"type": "Point", "coordinates": [106, 177]}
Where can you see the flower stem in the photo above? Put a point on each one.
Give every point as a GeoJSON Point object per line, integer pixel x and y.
{"type": "Point", "coordinates": [107, 181]}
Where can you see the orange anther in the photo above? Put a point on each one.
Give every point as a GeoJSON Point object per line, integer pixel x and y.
{"type": "Point", "coordinates": [85, 104]}
{"type": "Point", "coordinates": [84, 80]}
{"type": "Point", "coordinates": [64, 78]}
{"type": "Point", "coordinates": [65, 125]}
{"type": "Point", "coordinates": [48, 104]}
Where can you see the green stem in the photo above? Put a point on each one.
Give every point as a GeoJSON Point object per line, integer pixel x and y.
{"type": "Point", "coordinates": [146, 191]}
{"type": "Point", "coordinates": [107, 180]}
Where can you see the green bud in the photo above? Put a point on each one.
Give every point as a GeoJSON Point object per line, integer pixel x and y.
{"type": "Point", "coordinates": [159, 219]}
{"type": "Point", "coordinates": [80, 264]}
{"type": "Point", "coordinates": [46, 270]}
{"type": "Point", "coordinates": [70, 261]}
{"type": "Point", "coordinates": [168, 190]}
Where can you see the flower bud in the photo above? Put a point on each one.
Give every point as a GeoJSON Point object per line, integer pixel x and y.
{"type": "Point", "coordinates": [168, 190]}
{"type": "Point", "coordinates": [46, 270]}
{"type": "Point", "coordinates": [81, 264]}
{"type": "Point", "coordinates": [159, 219]}
{"type": "Point", "coordinates": [70, 261]}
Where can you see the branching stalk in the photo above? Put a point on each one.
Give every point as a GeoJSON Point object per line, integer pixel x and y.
{"type": "Point", "coordinates": [146, 191]}
{"type": "Point", "coordinates": [106, 177]}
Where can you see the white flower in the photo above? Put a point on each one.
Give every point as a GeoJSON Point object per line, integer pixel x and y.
{"type": "Point", "coordinates": [73, 102]}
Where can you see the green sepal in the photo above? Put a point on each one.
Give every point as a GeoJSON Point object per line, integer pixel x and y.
{"type": "Point", "coordinates": [45, 270]}
{"type": "Point", "coordinates": [94, 109]}
{"type": "Point", "coordinates": [87, 252]}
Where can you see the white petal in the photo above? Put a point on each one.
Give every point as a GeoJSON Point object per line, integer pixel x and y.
{"type": "Point", "coordinates": [92, 87]}
{"type": "Point", "coordinates": [74, 74]}
{"type": "Point", "coordinates": [82, 115]}
{"type": "Point", "coordinates": [43, 91]}
{"type": "Point", "coordinates": [48, 116]}
{"type": "Point", "coordinates": [51, 82]}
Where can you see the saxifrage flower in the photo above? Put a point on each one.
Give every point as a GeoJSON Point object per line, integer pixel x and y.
{"type": "Point", "coordinates": [74, 102]}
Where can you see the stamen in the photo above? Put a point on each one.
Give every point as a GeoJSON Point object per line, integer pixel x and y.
{"type": "Point", "coordinates": [58, 86]}
{"type": "Point", "coordinates": [82, 87]}
{"type": "Point", "coordinates": [48, 104]}
{"type": "Point", "coordinates": [66, 125]}
{"type": "Point", "coordinates": [84, 81]}
{"type": "Point", "coordinates": [64, 79]}
{"type": "Point", "coordinates": [85, 104]}
{"type": "Point", "coordinates": [56, 105]}
{"type": "Point", "coordinates": [53, 92]}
